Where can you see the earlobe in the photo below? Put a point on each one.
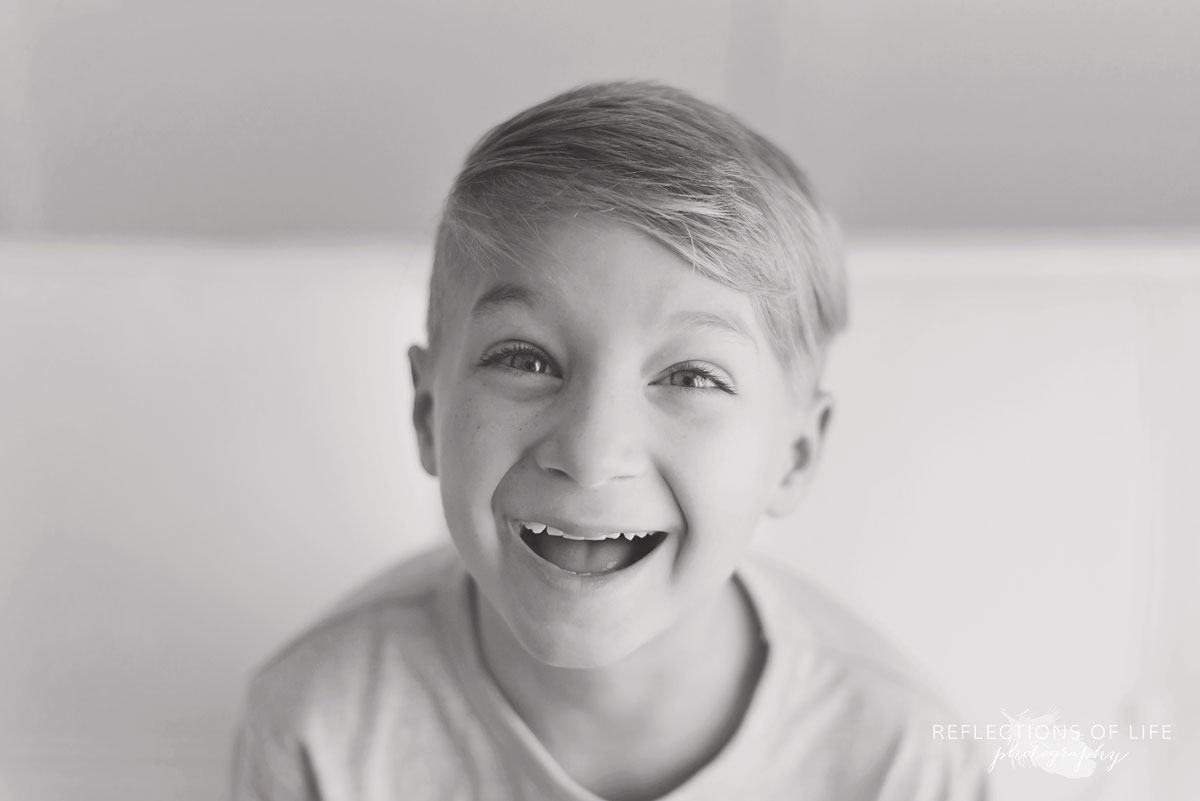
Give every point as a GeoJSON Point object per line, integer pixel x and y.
{"type": "Point", "coordinates": [422, 415]}
{"type": "Point", "coordinates": [805, 453]}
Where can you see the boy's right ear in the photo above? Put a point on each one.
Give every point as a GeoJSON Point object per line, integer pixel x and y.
{"type": "Point", "coordinates": [420, 361]}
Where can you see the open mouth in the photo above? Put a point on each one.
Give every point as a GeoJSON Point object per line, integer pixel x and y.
{"type": "Point", "coordinates": [592, 555]}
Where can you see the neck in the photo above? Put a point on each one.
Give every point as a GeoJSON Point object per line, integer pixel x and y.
{"type": "Point", "coordinates": [646, 703]}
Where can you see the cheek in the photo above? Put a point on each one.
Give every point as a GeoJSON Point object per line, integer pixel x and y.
{"type": "Point", "coordinates": [723, 473]}
{"type": "Point", "coordinates": [479, 443]}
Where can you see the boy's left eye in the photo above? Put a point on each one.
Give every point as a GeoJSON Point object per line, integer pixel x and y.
{"type": "Point", "coordinates": [697, 377]}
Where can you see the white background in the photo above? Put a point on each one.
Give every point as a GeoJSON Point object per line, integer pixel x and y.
{"type": "Point", "coordinates": [203, 447]}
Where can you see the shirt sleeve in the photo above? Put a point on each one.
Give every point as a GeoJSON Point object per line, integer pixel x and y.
{"type": "Point", "coordinates": [956, 776]}
{"type": "Point", "coordinates": [928, 769]}
{"type": "Point", "coordinates": [268, 762]}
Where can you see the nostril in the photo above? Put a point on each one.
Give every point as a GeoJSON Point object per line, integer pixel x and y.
{"type": "Point", "coordinates": [557, 472]}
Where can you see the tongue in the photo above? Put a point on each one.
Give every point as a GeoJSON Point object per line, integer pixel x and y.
{"type": "Point", "coordinates": [581, 556]}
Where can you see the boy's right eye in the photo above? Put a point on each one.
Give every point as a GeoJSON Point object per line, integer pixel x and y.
{"type": "Point", "coordinates": [521, 357]}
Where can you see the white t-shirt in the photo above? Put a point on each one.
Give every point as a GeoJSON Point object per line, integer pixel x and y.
{"type": "Point", "coordinates": [387, 699]}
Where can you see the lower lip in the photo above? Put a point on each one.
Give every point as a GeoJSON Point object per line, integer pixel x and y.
{"type": "Point", "coordinates": [565, 579]}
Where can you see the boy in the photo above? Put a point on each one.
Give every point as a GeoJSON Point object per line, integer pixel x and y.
{"type": "Point", "coordinates": [631, 301]}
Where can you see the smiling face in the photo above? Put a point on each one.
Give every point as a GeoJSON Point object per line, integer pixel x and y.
{"type": "Point", "coordinates": [602, 387]}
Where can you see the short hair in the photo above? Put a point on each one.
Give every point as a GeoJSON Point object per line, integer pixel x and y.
{"type": "Point", "coordinates": [682, 171]}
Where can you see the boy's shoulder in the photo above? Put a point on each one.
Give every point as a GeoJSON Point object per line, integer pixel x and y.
{"type": "Point", "coordinates": [816, 623]}
{"type": "Point", "coordinates": [854, 696]}
{"type": "Point", "coordinates": [334, 658]}
{"type": "Point", "coordinates": [354, 689]}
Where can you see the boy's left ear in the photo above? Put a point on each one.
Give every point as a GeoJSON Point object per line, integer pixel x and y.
{"type": "Point", "coordinates": [806, 447]}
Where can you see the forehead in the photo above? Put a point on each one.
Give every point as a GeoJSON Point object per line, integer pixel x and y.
{"type": "Point", "coordinates": [584, 266]}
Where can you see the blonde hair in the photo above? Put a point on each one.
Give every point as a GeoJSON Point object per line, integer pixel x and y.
{"type": "Point", "coordinates": [682, 171]}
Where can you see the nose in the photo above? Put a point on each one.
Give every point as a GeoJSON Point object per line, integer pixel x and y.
{"type": "Point", "coordinates": [594, 436]}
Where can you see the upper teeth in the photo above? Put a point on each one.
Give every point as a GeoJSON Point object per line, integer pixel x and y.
{"type": "Point", "coordinates": [538, 528]}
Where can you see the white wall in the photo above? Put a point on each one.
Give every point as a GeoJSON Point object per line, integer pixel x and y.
{"type": "Point", "coordinates": [201, 447]}
{"type": "Point", "coordinates": [1009, 485]}
{"type": "Point", "coordinates": [299, 117]}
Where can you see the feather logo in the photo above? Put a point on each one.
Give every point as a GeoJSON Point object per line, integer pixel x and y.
{"type": "Point", "coordinates": [1045, 743]}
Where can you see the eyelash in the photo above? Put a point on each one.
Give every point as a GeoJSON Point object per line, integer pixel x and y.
{"type": "Point", "coordinates": [495, 357]}
{"type": "Point", "coordinates": [701, 370]}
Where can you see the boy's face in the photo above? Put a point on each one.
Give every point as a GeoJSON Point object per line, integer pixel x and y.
{"type": "Point", "coordinates": [600, 387]}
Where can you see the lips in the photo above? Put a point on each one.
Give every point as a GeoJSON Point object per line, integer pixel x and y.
{"type": "Point", "coordinates": [588, 552]}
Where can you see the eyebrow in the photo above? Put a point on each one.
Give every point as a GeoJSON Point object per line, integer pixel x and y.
{"type": "Point", "coordinates": [717, 322]}
{"type": "Point", "coordinates": [502, 295]}
{"type": "Point", "coordinates": [506, 294]}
